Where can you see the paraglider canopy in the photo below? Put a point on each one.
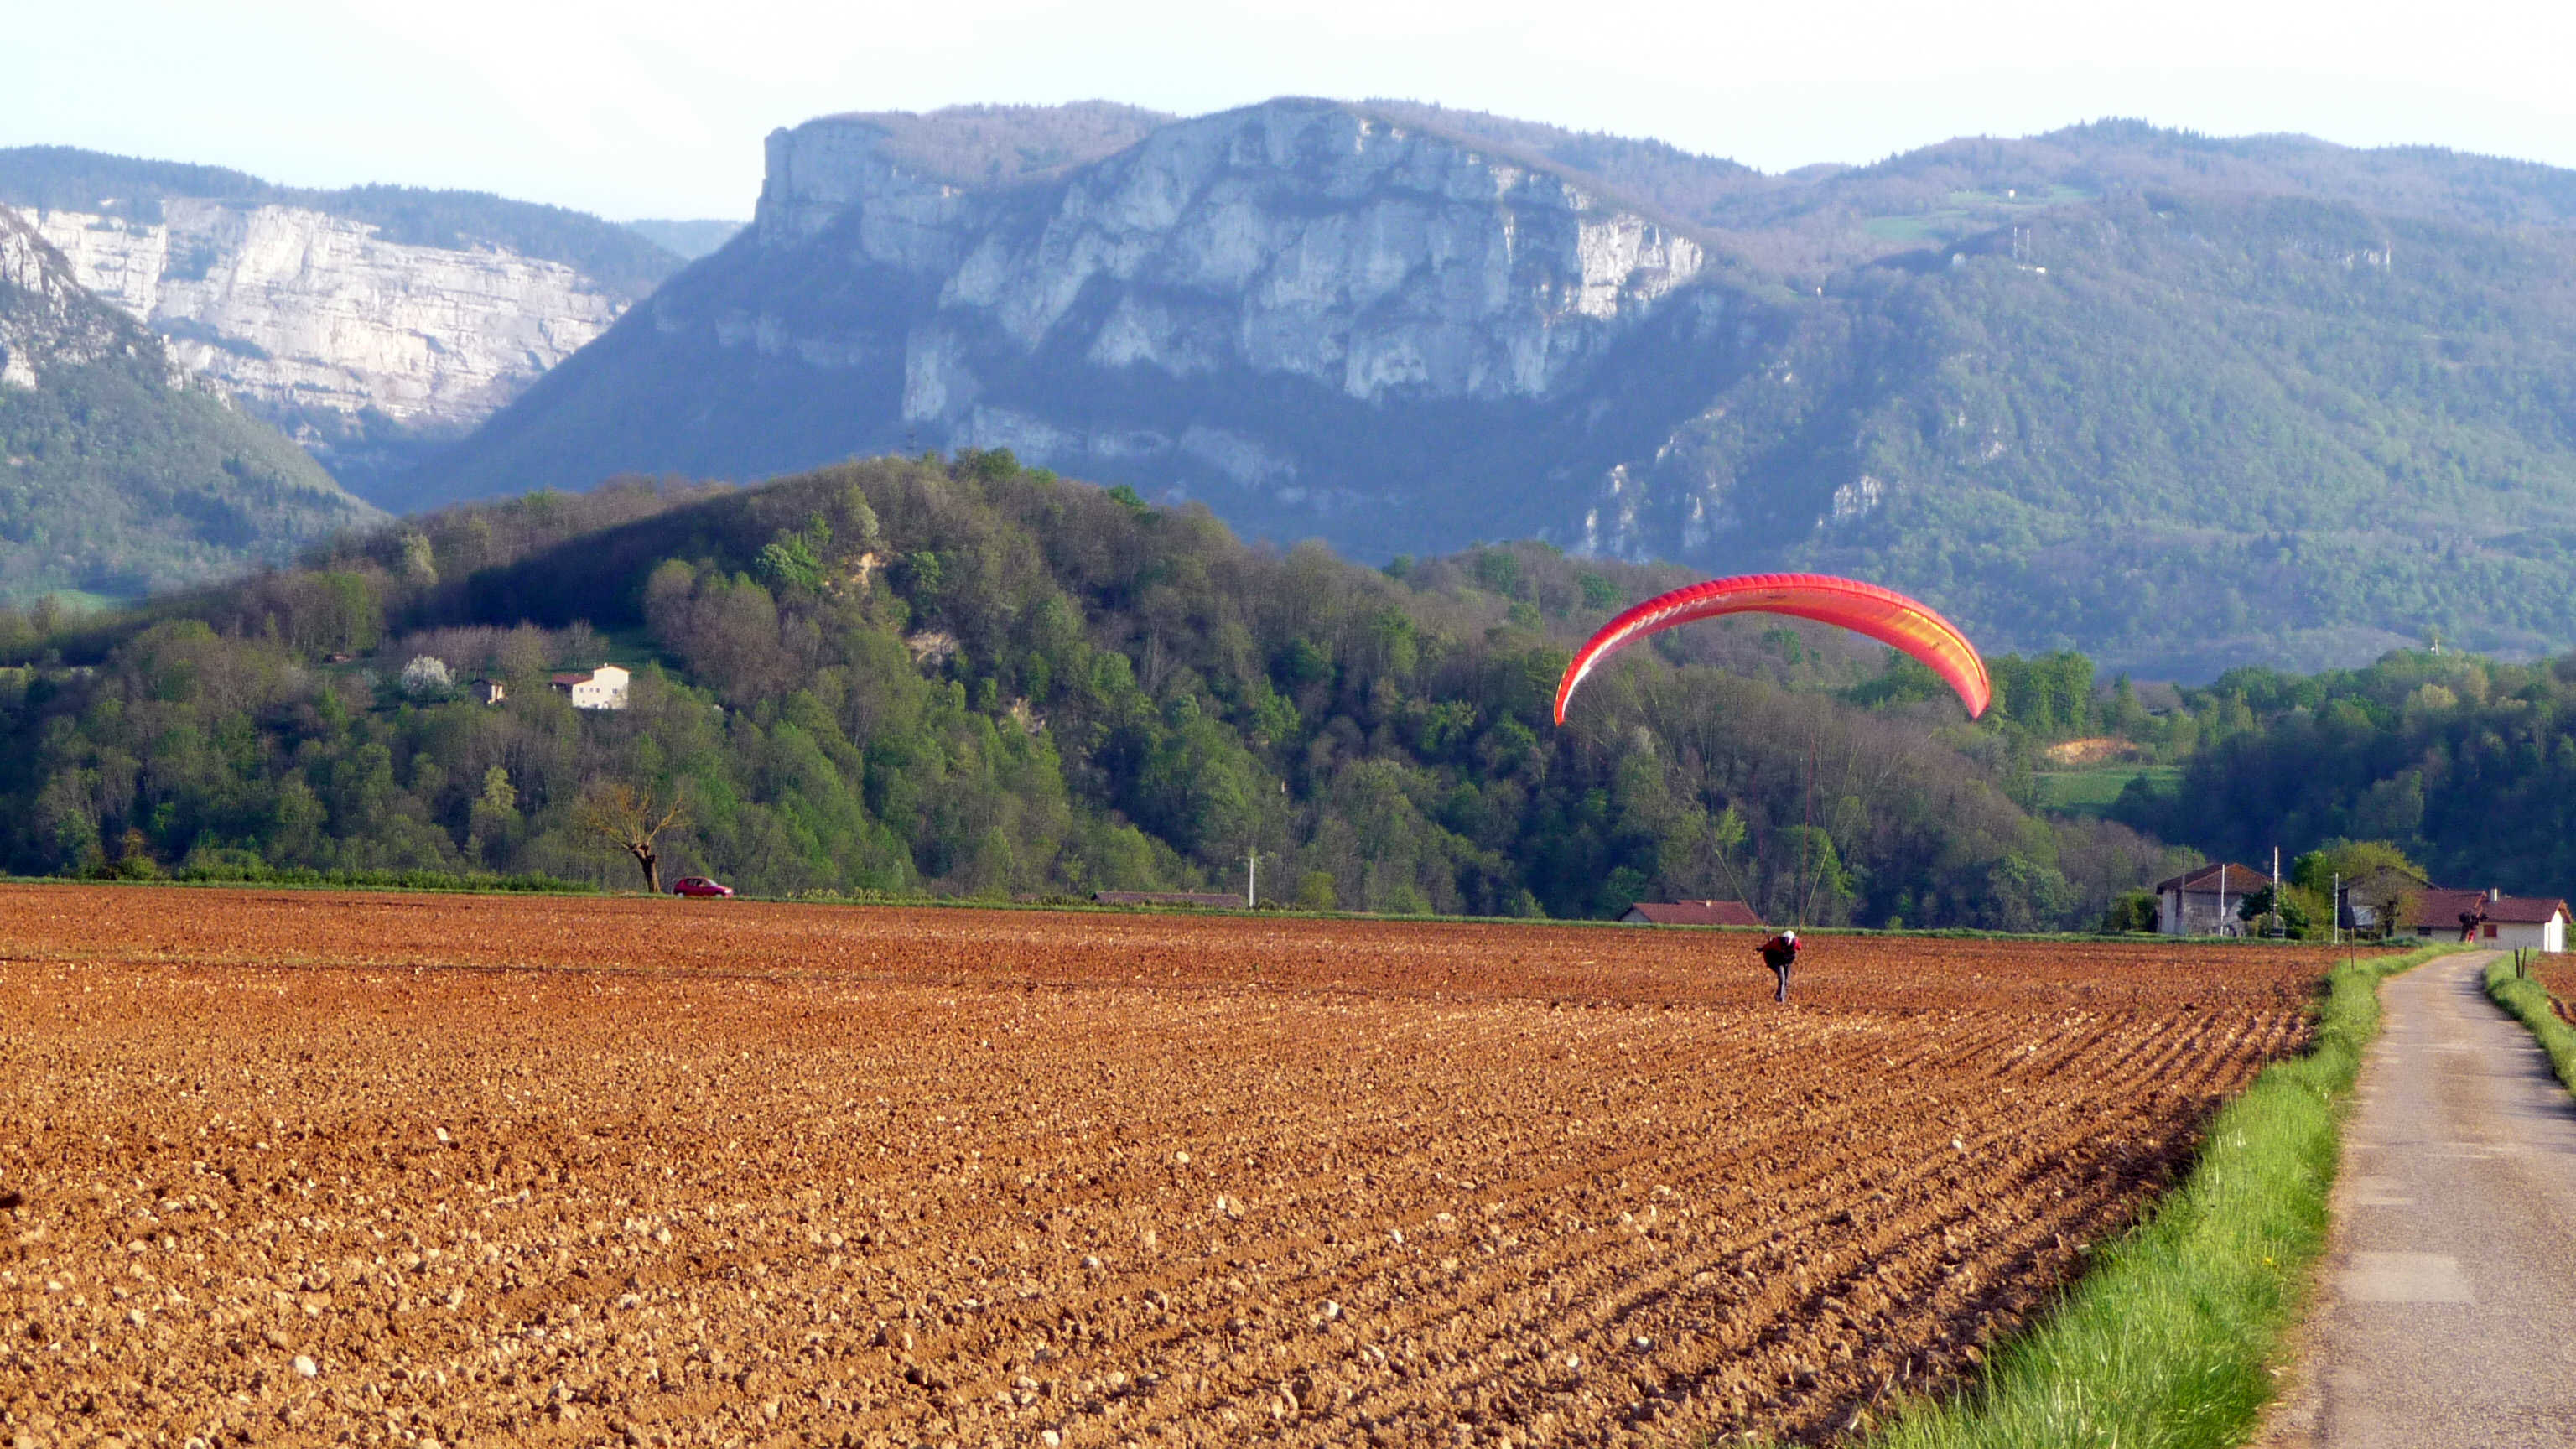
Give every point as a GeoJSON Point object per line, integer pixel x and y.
{"type": "Point", "coordinates": [1883, 614]}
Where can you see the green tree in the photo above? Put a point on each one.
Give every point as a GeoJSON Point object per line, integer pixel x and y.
{"type": "Point", "coordinates": [1315, 891]}
{"type": "Point", "coordinates": [796, 560]}
{"type": "Point", "coordinates": [2130, 911]}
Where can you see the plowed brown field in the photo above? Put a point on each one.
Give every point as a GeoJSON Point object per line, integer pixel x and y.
{"type": "Point", "coordinates": [2558, 975]}
{"type": "Point", "coordinates": [312, 1168]}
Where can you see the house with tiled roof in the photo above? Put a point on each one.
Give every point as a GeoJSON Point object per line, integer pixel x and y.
{"type": "Point", "coordinates": [2537, 923]}
{"type": "Point", "coordinates": [1690, 913]}
{"type": "Point", "coordinates": [601, 688]}
{"type": "Point", "coordinates": [2203, 901]}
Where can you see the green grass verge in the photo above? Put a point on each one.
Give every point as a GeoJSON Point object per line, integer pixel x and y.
{"type": "Point", "coordinates": [2167, 1343]}
{"type": "Point", "coordinates": [2528, 1000]}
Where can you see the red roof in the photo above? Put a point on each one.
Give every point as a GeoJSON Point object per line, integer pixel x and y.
{"type": "Point", "coordinates": [2240, 880]}
{"type": "Point", "coordinates": [2443, 908]}
{"type": "Point", "coordinates": [1696, 913]}
{"type": "Point", "coordinates": [2526, 910]}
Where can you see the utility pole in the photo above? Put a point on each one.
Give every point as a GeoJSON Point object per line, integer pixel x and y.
{"type": "Point", "coordinates": [1252, 881]}
{"type": "Point", "coordinates": [2277, 928]}
{"type": "Point", "coordinates": [2338, 908]}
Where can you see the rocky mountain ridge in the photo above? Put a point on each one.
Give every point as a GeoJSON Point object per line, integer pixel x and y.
{"type": "Point", "coordinates": [374, 324]}
{"type": "Point", "coordinates": [1303, 247]}
{"type": "Point", "coordinates": [121, 471]}
{"type": "Point", "coordinates": [290, 308]}
{"type": "Point", "coordinates": [48, 321]}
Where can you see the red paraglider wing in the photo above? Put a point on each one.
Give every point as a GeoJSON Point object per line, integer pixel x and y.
{"type": "Point", "coordinates": [1883, 614]}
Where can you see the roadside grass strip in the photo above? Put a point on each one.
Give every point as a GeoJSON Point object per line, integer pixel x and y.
{"type": "Point", "coordinates": [2168, 1342]}
{"type": "Point", "coordinates": [2528, 1000]}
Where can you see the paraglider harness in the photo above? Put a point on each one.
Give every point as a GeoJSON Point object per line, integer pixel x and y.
{"type": "Point", "coordinates": [1780, 953]}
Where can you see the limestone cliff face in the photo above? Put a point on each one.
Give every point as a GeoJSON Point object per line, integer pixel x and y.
{"type": "Point", "coordinates": [293, 309]}
{"type": "Point", "coordinates": [1310, 314]}
{"type": "Point", "coordinates": [122, 471]}
{"type": "Point", "coordinates": [1299, 241]}
{"type": "Point", "coordinates": [48, 320]}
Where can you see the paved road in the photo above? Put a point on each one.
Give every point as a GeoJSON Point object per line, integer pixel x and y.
{"type": "Point", "coordinates": [2449, 1308]}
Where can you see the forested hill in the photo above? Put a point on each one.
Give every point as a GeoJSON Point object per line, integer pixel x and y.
{"type": "Point", "coordinates": [974, 678]}
{"type": "Point", "coordinates": [2467, 765]}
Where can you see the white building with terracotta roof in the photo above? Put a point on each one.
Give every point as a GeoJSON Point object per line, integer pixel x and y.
{"type": "Point", "coordinates": [2535, 923]}
{"type": "Point", "coordinates": [601, 688]}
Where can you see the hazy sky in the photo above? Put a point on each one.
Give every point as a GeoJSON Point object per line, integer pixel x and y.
{"type": "Point", "coordinates": [647, 108]}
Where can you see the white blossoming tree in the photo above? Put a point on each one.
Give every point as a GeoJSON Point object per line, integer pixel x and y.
{"type": "Point", "coordinates": [426, 677]}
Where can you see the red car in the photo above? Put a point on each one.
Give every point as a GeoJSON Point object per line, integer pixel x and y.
{"type": "Point", "coordinates": [698, 885]}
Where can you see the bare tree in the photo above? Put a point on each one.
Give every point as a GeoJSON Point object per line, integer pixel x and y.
{"type": "Point", "coordinates": [626, 817]}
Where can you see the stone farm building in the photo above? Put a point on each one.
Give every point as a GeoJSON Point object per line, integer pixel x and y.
{"type": "Point", "coordinates": [601, 688]}
{"type": "Point", "coordinates": [1690, 913]}
{"type": "Point", "coordinates": [2511, 922]}
{"type": "Point", "coordinates": [2189, 904]}
{"type": "Point", "coordinates": [2365, 898]}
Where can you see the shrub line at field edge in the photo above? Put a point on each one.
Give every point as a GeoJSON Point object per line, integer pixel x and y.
{"type": "Point", "coordinates": [2172, 1337]}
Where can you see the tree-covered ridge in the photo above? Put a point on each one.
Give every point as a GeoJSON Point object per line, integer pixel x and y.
{"type": "Point", "coordinates": [1806, 224]}
{"type": "Point", "coordinates": [2211, 430]}
{"type": "Point", "coordinates": [979, 679]}
{"type": "Point", "coordinates": [1811, 223]}
{"type": "Point", "coordinates": [623, 262]}
{"type": "Point", "coordinates": [2466, 764]}
{"type": "Point", "coordinates": [990, 146]}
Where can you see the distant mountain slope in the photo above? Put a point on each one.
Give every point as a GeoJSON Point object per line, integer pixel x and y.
{"type": "Point", "coordinates": [1813, 221]}
{"type": "Point", "coordinates": [375, 323]}
{"type": "Point", "coordinates": [1679, 186]}
{"type": "Point", "coordinates": [2190, 433]}
{"type": "Point", "coordinates": [2177, 400]}
{"type": "Point", "coordinates": [65, 178]}
{"type": "Point", "coordinates": [979, 146]}
{"type": "Point", "coordinates": [687, 240]}
{"type": "Point", "coordinates": [1228, 295]}
{"type": "Point", "coordinates": [117, 474]}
